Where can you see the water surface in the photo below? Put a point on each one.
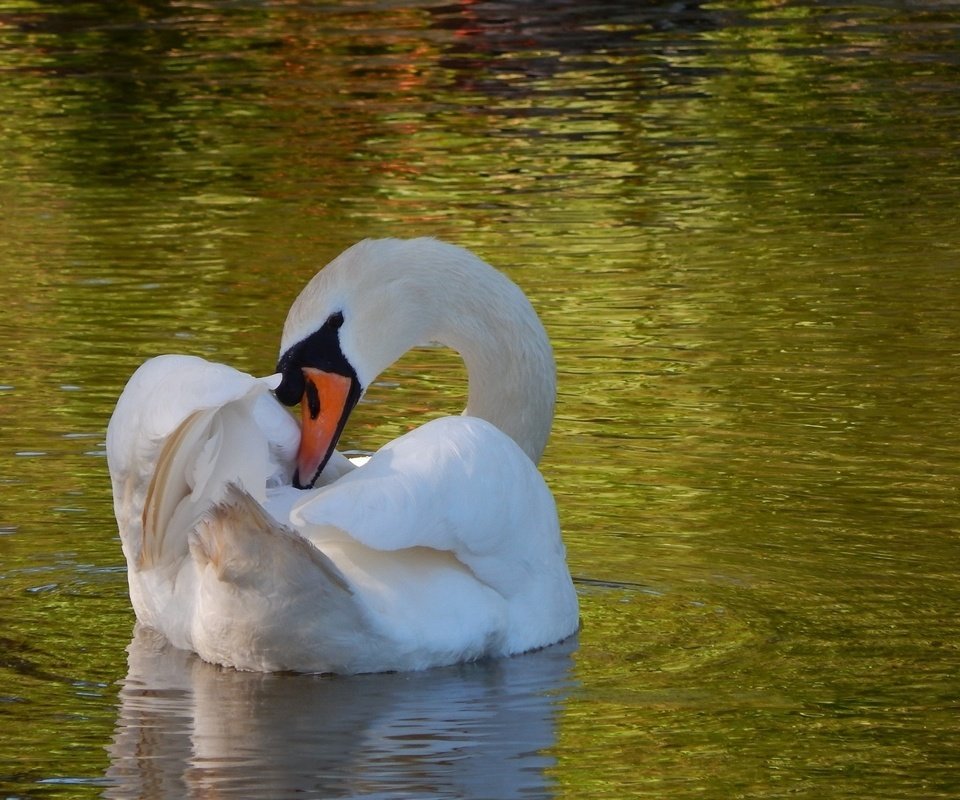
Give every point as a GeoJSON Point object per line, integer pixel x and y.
{"type": "Point", "coordinates": [738, 222]}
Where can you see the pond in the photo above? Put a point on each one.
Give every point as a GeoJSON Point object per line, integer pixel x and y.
{"type": "Point", "coordinates": [738, 222]}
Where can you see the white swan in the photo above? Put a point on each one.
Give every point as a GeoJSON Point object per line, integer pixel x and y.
{"type": "Point", "coordinates": [443, 547]}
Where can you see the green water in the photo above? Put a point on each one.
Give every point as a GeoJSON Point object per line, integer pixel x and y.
{"type": "Point", "coordinates": [739, 224]}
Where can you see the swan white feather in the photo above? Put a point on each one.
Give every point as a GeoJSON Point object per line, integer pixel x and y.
{"type": "Point", "coordinates": [443, 547]}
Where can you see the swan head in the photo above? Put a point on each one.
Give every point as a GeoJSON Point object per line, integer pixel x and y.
{"type": "Point", "coordinates": [356, 317]}
{"type": "Point", "coordinates": [315, 373]}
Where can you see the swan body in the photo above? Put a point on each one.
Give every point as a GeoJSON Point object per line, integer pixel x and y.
{"type": "Point", "coordinates": [252, 542]}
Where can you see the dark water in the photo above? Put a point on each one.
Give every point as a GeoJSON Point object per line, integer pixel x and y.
{"type": "Point", "coordinates": [739, 224]}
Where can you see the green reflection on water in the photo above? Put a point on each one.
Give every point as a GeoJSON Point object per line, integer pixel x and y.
{"type": "Point", "coordinates": [738, 224]}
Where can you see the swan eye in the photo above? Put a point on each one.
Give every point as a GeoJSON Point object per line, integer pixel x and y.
{"type": "Point", "coordinates": [313, 399]}
{"type": "Point", "coordinates": [335, 320]}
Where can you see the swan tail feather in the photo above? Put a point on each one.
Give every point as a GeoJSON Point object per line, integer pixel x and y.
{"type": "Point", "coordinates": [268, 599]}
{"type": "Point", "coordinates": [238, 539]}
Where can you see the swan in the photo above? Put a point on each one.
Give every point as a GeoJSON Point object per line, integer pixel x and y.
{"type": "Point", "coordinates": [250, 540]}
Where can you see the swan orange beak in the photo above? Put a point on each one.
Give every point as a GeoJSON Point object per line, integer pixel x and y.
{"type": "Point", "coordinates": [328, 399]}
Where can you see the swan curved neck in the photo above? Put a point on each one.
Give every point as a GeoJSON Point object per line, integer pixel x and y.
{"type": "Point", "coordinates": [511, 373]}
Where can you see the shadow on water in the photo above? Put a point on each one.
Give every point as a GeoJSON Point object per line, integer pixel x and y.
{"type": "Point", "coordinates": [187, 728]}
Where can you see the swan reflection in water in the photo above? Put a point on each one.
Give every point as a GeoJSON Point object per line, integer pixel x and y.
{"type": "Point", "coordinates": [187, 728]}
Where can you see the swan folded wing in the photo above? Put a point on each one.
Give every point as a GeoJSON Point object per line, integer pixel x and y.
{"type": "Point", "coordinates": [247, 440]}
{"type": "Point", "coordinates": [456, 484]}
{"type": "Point", "coordinates": [159, 397]}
